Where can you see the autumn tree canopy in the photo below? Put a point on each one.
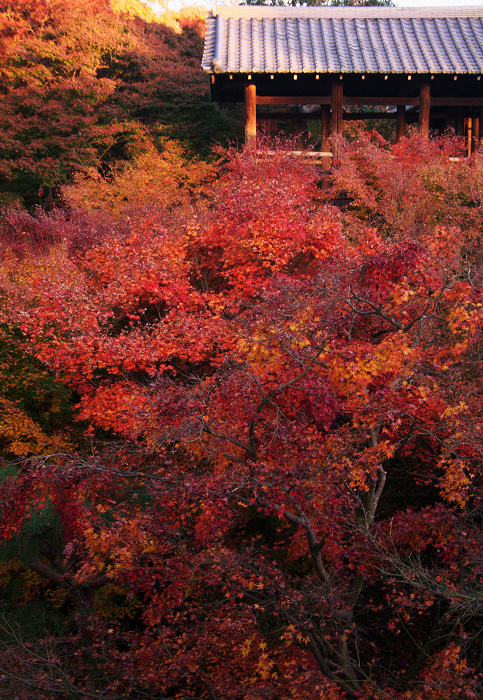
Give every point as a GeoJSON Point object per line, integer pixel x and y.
{"type": "Point", "coordinates": [270, 485]}
{"type": "Point", "coordinates": [240, 427]}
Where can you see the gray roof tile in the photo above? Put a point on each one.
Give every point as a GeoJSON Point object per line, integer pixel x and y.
{"type": "Point", "coordinates": [343, 40]}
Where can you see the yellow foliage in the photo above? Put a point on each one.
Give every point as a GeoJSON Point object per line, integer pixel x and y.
{"type": "Point", "coordinates": [456, 482]}
{"type": "Point", "coordinates": [22, 436]}
{"type": "Point", "coordinates": [163, 180]}
{"type": "Point", "coordinates": [57, 596]}
{"type": "Point", "coordinates": [135, 8]}
{"type": "Point", "coordinates": [158, 11]}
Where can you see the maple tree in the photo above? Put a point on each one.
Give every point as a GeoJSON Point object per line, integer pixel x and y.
{"type": "Point", "coordinates": [87, 85]}
{"type": "Point", "coordinates": [279, 489]}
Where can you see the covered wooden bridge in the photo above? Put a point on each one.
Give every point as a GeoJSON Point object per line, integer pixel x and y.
{"type": "Point", "coordinates": [424, 64]}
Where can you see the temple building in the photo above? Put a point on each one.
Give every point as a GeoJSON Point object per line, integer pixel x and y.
{"type": "Point", "coordinates": [422, 65]}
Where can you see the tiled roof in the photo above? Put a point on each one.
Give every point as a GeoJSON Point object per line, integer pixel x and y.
{"type": "Point", "coordinates": [258, 39]}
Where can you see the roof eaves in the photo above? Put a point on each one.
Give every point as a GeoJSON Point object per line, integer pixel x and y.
{"type": "Point", "coordinates": [279, 40]}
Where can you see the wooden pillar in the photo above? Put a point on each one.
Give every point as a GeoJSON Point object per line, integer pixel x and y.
{"type": "Point", "coordinates": [401, 123]}
{"type": "Point", "coordinates": [325, 128]}
{"type": "Point", "coordinates": [337, 108]}
{"type": "Point", "coordinates": [469, 135]}
{"type": "Point", "coordinates": [250, 114]}
{"type": "Point", "coordinates": [424, 103]}
{"type": "Point", "coordinates": [478, 129]}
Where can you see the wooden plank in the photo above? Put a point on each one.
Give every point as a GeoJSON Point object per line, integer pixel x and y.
{"type": "Point", "coordinates": [424, 106]}
{"type": "Point", "coordinates": [401, 122]}
{"type": "Point", "coordinates": [250, 114]}
{"type": "Point", "coordinates": [314, 155]}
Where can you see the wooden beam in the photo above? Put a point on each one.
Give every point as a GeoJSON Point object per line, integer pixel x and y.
{"type": "Point", "coordinates": [381, 100]}
{"type": "Point", "coordinates": [327, 100]}
{"type": "Point", "coordinates": [337, 108]}
{"type": "Point", "coordinates": [469, 135]}
{"type": "Point", "coordinates": [368, 101]}
{"type": "Point", "coordinates": [414, 101]}
{"type": "Point", "coordinates": [309, 155]}
{"type": "Point", "coordinates": [360, 116]}
{"type": "Point", "coordinates": [250, 115]}
{"type": "Point", "coordinates": [401, 122]}
{"type": "Point", "coordinates": [347, 116]}
{"type": "Point", "coordinates": [293, 100]}
{"type": "Point", "coordinates": [293, 116]}
{"type": "Point", "coordinates": [424, 105]}
{"type": "Point", "coordinates": [456, 102]}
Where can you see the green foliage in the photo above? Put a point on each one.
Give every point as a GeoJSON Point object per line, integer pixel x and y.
{"type": "Point", "coordinates": [27, 381]}
{"type": "Point", "coordinates": [35, 408]}
{"type": "Point", "coordinates": [29, 620]}
{"type": "Point", "coordinates": [40, 535]}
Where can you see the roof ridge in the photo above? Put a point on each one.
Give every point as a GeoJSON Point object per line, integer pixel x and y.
{"type": "Point", "coordinates": [270, 12]}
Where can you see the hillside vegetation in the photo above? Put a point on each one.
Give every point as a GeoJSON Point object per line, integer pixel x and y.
{"type": "Point", "coordinates": [85, 87]}
{"type": "Point", "coordinates": [240, 428]}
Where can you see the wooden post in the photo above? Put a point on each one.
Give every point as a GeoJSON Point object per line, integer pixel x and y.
{"type": "Point", "coordinates": [469, 135]}
{"type": "Point", "coordinates": [337, 108]}
{"type": "Point", "coordinates": [424, 103]}
{"type": "Point", "coordinates": [476, 132]}
{"type": "Point", "coordinates": [250, 115]}
{"type": "Point", "coordinates": [325, 135]}
{"type": "Point", "coordinates": [324, 127]}
{"type": "Point", "coordinates": [401, 122]}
